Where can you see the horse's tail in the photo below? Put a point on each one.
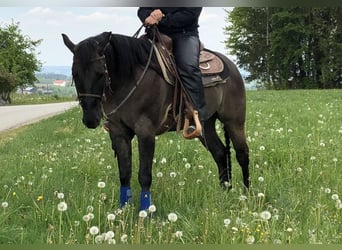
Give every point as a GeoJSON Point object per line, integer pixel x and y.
{"type": "Point", "coordinates": [229, 157]}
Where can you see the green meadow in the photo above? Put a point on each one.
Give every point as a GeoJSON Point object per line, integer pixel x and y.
{"type": "Point", "coordinates": [59, 181]}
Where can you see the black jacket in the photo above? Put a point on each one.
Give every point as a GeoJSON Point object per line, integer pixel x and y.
{"type": "Point", "coordinates": [177, 21]}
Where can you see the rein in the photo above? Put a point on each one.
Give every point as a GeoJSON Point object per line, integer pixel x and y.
{"type": "Point", "coordinates": [106, 115]}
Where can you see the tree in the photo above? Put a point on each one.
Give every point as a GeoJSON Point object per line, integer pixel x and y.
{"type": "Point", "coordinates": [288, 47]}
{"type": "Point", "coordinates": [18, 61]}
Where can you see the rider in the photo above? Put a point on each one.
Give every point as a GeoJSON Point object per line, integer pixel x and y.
{"type": "Point", "coordinates": [181, 24]}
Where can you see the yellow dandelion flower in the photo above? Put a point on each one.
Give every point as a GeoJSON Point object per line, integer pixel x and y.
{"type": "Point", "coordinates": [40, 198]}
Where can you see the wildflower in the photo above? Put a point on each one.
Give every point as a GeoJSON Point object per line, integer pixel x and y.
{"type": "Point", "coordinates": [101, 184]}
{"type": "Point", "coordinates": [40, 198]}
{"type": "Point", "coordinates": [299, 170]}
{"type": "Point", "coordinates": [99, 239]}
{"type": "Point", "coordinates": [163, 160]}
{"type": "Point", "coordinates": [242, 198]}
{"type": "Point", "coordinates": [289, 230]}
{"type": "Point", "coordinates": [172, 217]}
{"type": "Point", "coordinates": [250, 239]}
{"type": "Point", "coordinates": [90, 209]}
{"type": "Point", "coordinates": [173, 174]}
{"type": "Point", "coordinates": [226, 222]}
{"type": "Point", "coordinates": [142, 214]}
{"type": "Point", "coordinates": [262, 148]}
{"type": "Point", "coordinates": [60, 196]}
{"type": "Point", "coordinates": [152, 208]}
{"type": "Point", "coordinates": [235, 229]}
{"type": "Point", "coordinates": [91, 216]}
{"type": "Point", "coordinates": [334, 197]}
{"type": "Point", "coordinates": [181, 183]}
{"type": "Point", "coordinates": [123, 238]}
{"type": "Point", "coordinates": [4, 204]}
{"type": "Point", "coordinates": [159, 174]}
{"type": "Point", "coordinates": [265, 215]}
{"type": "Point", "coordinates": [187, 165]}
{"type": "Point", "coordinates": [261, 179]}
{"type": "Point", "coordinates": [312, 158]}
{"type": "Point", "coordinates": [334, 159]}
{"type": "Point", "coordinates": [109, 235]}
{"type": "Point", "coordinates": [179, 234]}
{"type": "Point", "coordinates": [62, 206]}
{"type": "Point", "coordinates": [200, 166]}
{"type": "Point", "coordinates": [327, 190]}
{"type": "Point", "coordinates": [111, 217]}
{"type": "Point", "coordinates": [261, 195]}
{"type": "Point", "coordinates": [86, 218]}
{"type": "Point", "coordinates": [94, 230]}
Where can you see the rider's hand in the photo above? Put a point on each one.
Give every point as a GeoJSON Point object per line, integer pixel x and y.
{"type": "Point", "coordinates": [157, 14]}
{"type": "Point", "coordinates": [150, 21]}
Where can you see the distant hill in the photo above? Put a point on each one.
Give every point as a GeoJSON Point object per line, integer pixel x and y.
{"type": "Point", "coordinates": [63, 70]}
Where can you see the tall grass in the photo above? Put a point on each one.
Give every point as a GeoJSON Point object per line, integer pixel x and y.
{"type": "Point", "coordinates": [59, 181]}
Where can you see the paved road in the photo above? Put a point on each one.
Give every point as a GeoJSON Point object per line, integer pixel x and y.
{"type": "Point", "coordinates": [15, 116]}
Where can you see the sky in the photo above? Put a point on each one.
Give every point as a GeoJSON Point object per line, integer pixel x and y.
{"type": "Point", "coordinates": [48, 23]}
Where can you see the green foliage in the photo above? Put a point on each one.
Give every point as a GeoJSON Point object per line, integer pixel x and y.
{"type": "Point", "coordinates": [17, 57]}
{"type": "Point", "coordinates": [288, 47]}
{"type": "Point", "coordinates": [295, 198]}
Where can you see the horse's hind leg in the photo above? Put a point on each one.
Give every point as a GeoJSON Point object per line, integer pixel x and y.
{"type": "Point", "coordinates": [238, 138]}
{"type": "Point", "coordinates": [218, 151]}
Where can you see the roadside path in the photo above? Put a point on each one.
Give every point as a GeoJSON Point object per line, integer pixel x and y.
{"type": "Point", "coordinates": [15, 116]}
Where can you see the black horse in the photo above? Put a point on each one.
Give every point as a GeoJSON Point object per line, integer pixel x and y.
{"type": "Point", "coordinates": [112, 80]}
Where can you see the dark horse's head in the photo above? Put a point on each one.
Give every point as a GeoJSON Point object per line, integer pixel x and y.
{"type": "Point", "coordinates": [90, 75]}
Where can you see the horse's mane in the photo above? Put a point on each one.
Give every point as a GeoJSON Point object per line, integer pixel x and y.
{"type": "Point", "coordinates": [126, 53]}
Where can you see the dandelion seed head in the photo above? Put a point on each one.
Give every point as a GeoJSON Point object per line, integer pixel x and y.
{"type": "Point", "coordinates": [109, 235]}
{"type": "Point", "coordinates": [101, 184]}
{"type": "Point", "coordinates": [163, 160]}
{"type": "Point", "coordinates": [159, 174]}
{"type": "Point", "coordinates": [261, 195]}
{"type": "Point", "coordinates": [99, 239]}
{"type": "Point", "coordinates": [4, 204]}
{"type": "Point", "coordinates": [242, 198]}
{"type": "Point", "coordinates": [124, 238]}
{"type": "Point", "coordinates": [94, 230]}
{"type": "Point", "coordinates": [152, 208]}
{"type": "Point", "coordinates": [261, 179]}
{"type": "Point", "coordinates": [111, 217]}
{"type": "Point", "coordinates": [187, 165]}
{"type": "Point", "coordinates": [179, 234]}
{"type": "Point", "coordinates": [142, 214]}
{"type": "Point", "coordinates": [60, 196]}
{"type": "Point", "coordinates": [172, 217]}
{"type": "Point", "coordinates": [265, 215]}
{"type": "Point", "coordinates": [62, 206]}
{"type": "Point", "coordinates": [334, 197]}
{"type": "Point", "coordinates": [262, 148]}
{"type": "Point", "coordinates": [289, 230]}
{"type": "Point", "coordinates": [250, 239]}
{"type": "Point", "coordinates": [226, 222]}
{"type": "Point", "coordinates": [327, 190]}
{"type": "Point", "coordinates": [173, 174]}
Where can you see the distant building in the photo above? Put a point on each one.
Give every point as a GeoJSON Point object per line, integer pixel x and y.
{"type": "Point", "coordinates": [29, 90]}
{"type": "Point", "coordinates": [60, 83]}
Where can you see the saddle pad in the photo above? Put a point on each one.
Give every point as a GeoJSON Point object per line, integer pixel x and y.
{"type": "Point", "coordinates": [210, 64]}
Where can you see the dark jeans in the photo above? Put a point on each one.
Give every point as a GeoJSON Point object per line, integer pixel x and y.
{"type": "Point", "coordinates": [186, 53]}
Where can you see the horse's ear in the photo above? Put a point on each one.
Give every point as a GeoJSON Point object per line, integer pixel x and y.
{"type": "Point", "coordinates": [68, 43]}
{"type": "Point", "coordinates": [105, 38]}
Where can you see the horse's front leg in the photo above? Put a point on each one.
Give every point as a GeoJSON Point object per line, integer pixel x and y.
{"type": "Point", "coordinates": [122, 146]}
{"type": "Point", "coordinates": [146, 152]}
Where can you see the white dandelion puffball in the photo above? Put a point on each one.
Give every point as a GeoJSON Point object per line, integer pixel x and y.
{"type": "Point", "coordinates": [265, 215]}
{"type": "Point", "coordinates": [94, 230]}
{"type": "Point", "coordinates": [4, 204]}
{"type": "Point", "coordinates": [101, 184]}
{"type": "Point", "coordinates": [152, 208]}
{"type": "Point", "coordinates": [172, 217]}
{"type": "Point", "coordinates": [142, 214]}
{"type": "Point", "coordinates": [111, 217]}
{"type": "Point", "coordinates": [62, 206]}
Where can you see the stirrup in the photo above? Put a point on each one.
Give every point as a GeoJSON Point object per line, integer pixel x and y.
{"type": "Point", "coordinates": [191, 132]}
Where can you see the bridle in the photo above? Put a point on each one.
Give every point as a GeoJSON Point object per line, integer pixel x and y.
{"type": "Point", "coordinates": [108, 80]}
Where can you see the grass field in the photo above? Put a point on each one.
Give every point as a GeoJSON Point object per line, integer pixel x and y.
{"type": "Point", "coordinates": [59, 181]}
